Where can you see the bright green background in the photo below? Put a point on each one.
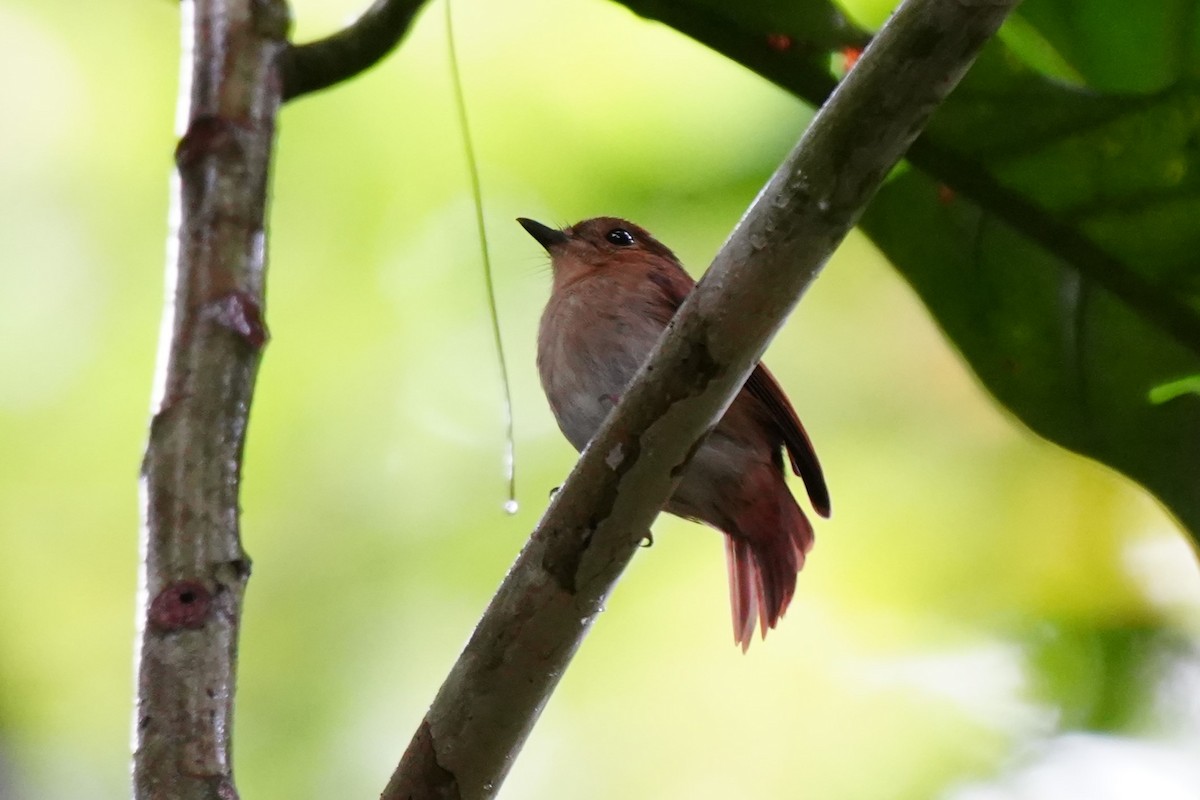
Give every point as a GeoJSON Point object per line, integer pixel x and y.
{"type": "Point", "coordinates": [985, 616]}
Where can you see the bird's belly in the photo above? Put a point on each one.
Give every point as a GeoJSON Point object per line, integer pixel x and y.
{"type": "Point", "coordinates": [584, 389]}
{"type": "Point", "coordinates": [582, 415]}
{"type": "Point", "coordinates": [585, 376]}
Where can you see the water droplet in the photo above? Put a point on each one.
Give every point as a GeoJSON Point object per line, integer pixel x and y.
{"type": "Point", "coordinates": [511, 507]}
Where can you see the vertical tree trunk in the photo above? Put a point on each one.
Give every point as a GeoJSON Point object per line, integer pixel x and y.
{"type": "Point", "coordinates": [194, 570]}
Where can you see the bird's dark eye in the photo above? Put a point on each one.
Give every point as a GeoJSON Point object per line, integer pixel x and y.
{"type": "Point", "coordinates": [620, 237]}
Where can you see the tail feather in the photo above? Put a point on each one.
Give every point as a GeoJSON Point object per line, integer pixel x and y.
{"type": "Point", "coordinates": [764, 555]}
{"type": "Point", "coordinates": [744, 590]}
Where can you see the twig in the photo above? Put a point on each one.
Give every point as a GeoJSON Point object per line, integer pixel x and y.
{"type": "Point", "coordinates": [194, 569]}
{"type": "Point", "coordinates": [494, 693]}
{"type": "Point", "coordinates": [354, 49]}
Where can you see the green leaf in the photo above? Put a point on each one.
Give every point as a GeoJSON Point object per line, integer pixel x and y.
{"type": "Point", "coordinates": [1056, 247]}
{"type": "Point", "coordinates": [1118, 46]}
{"type": "Point", "coordinates": [1051, 228]}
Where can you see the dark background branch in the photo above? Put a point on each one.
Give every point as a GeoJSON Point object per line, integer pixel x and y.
{"type": "Point", "coordinates": [318, 65]}
{"type": "Point", "coordinates": [195, 570]}
{"type": "Point", "coordinates": [531, 630]}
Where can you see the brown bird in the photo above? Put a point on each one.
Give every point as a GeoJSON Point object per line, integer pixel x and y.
{"type": "Point", "coordinates": [615, 289]}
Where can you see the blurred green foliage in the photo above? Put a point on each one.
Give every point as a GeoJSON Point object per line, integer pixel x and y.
{"type": "Point", "coordinates": [983, 608]}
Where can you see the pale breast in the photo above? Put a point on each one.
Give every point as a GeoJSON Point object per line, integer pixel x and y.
{"type": "Point", "coordinates": [588, 350]}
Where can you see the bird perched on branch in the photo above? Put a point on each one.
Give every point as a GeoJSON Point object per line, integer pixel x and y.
{"type": "Point", "coordinates": [615, 289]}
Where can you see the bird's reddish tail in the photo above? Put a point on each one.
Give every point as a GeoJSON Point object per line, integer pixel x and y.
{"type": "Point", "coordinates": [765, 553]}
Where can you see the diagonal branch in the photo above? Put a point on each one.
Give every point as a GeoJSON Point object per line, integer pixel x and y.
{"type": "Point", "coordinates": [494, 693]}
{"type": "Point", "coordinates": [318, 65]}
{"type": "Point", "coordinates": [194, 570]}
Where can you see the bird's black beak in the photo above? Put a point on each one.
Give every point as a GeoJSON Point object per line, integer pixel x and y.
{"type": "Point", "coordinates": [547, 237]}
